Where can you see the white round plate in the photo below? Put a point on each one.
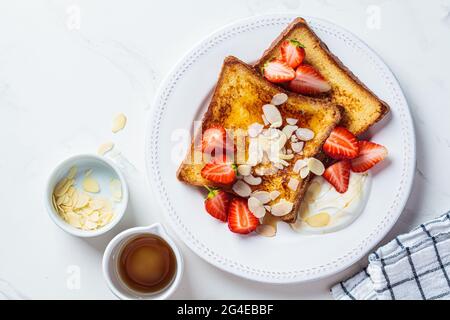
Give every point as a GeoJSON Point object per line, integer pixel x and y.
{"type": "Point", "coordinates": [289, 257]}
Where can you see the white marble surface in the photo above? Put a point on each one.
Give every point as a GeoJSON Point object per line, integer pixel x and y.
{"type": "Point", "coordinates": [67, 67]}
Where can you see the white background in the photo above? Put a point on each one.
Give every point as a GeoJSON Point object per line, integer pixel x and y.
{"type": "Point", "coordinates": [67, 67]}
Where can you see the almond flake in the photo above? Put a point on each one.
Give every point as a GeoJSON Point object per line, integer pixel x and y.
{"type": "Point", "coordinates": [286, 156]}
{"type": "Point", "coordinates": [318, 220]}
{"type": "Point", "coordinates": [297, 146]}
{"type": "Point", "coordinates": [244, 169]}
{"type": "Point", "coordinates": [272, 114]}
{"type": "Point", "coordinates": [253, 181]}
{"type": "Point", "coordinates": [316, 166]}
{"type": "Point", "coordinates": [262, 196]}
{"type": "Point", "coordinates": [304, 172]}
{"type": "Point", "coordinates": [293, 184]}
{"type": "Point", "coordinates": [255, 129]}
{"type": "Point", "coordinates": [115, 187]}
{"type": "Point", "coordinates": [265, 120]}
{"type": "Point", "coordinates": [119, 123]}
{"type": "Point", "coordinates": [288, 130]}
{"type": "Point", "coordinates": [282, 208]}
{"type": "Point", "coordinates": [105, 148]}
{"type": "Point", "coordinates": [242, 189]}
{"type": "Point", "coordinates": [256, 207]}
{"type": "Point", "coordinates": [291, 121]}
{"type": "Point", "coordinates": [268, 208]}
{"type": "Point", "coordinates": [304, 134]}
{"type": "Point", "coordinates": [299, 164]}
{"type": "Point", "coordinates": [266, 230]}
{"type": "Point", "coordinates": [279, 98]}
{"type": "Point", "coordinates": [90, 185]}
{"type": "Point", "coordinates": [274, 194]}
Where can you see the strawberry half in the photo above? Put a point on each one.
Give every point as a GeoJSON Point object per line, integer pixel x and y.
{"type": "Point", "coordinates": [240, 218]}
{"type": "Point", "coordinates": [308, 81]}
{"type": "Point", "coordinates": [219, 172]}
{"type": "Point", "coordinates": [292, 52]}
{"type": "Point", "coordinates": [278, 71]}
{"type": "Point", "coordinates": [338, 175]}
{"type": "Point", "coordinates": [341, 144]}
{"type": "Point", "coordinates": [217, 203]}
{"type": "Point", "coordinates": [370, 154]}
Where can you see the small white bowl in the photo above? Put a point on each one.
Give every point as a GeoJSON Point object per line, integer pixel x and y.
{"type": "Point", "coordinates": [106, 170]}
{"type": "Point", "coordinates": [111, 254]}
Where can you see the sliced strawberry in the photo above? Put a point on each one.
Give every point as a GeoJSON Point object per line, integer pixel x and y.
{"type": "Point", "coordinates": [213, 137]}
{"type": "Point", "coordinates": [292, 52]}
{"type": "Point", "coordinates": [338, 175]}
{"type": "Point", "coordinates": [219, 172]}
{"type": "Point", "coordinates": [217, 203]}
{"type": "Point", "coordinates": [370, 154]}
{"type": "Point", "coordinates": [240, 218]}
{"type": "Point", "coordinates": [308, 81]}
{"type": "Point", "coordinates": [341, 144]}
{"type": "Point", "coordinates": [278, 71]}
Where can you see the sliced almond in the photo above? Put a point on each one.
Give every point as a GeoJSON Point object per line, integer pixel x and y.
{"type": "Point", "coordinates": [297, 146]}
{"type": "Point", "coordinates": [286, 156]}
{"type": "Point", "coordinates": [72, 172]}
{"type": "Point", "coordinates": [274, 194]}
{"type": "Point", "coordinates": [266, 230]}
{"type": "Point", "coordinates": [299, 164]}
{"type": "Point", "coordinates": [282, 208]}
{"type": "Point", "coordinates": [262, 196]}
{"type": "Point", "coordinates": [276, 124]}
{"type": "Point", "coordinates": [291, 121]}
{"type": "Point", "coordinates": [278, 165]}
{"type": "Point", "coordinates": [265, 120]}
{"type": "Point", "coordinates": [289, 151]}
{"type": "Point", "coordinates": [104, 148]}
{"type": "Point", "coordinates": [244, 169]}
{"type": "Point", "coordinates": [119, 123]}
{"type": "Point", "coordinates": [272, 114]}
{"type": "Point", "coordinates": [304, 172]}
{"type": "Point", "coordinates": [256, 207]}
{"type": "Point", "coordinates": [304, 134]}
{"type": "Point", "coordinates": [289, 130]}
{"type": "Point", "coordinates": [253, 181]}
{"type": "Point", "coordinates": [279, 98]}
{"type": "Point", "coordinates": [293, 184]}
{"type": "Point", "coordinates": [316, 166]}
{"type": "Point", "coordinates": [242, 189]}
{"type": "Point", "coordinates": [318, 220]}
{"type": "Point", "coordinates": [90, 185]}
{"type": "Point", "coordinates": [115, 187]}
{"type": "Point", "coordinates": [255, 129]}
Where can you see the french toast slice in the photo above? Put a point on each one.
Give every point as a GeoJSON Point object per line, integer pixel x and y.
{"type": "Point", "coordinates": [237, 103]}
{"type": "Point", "coordinates": [361, 107]}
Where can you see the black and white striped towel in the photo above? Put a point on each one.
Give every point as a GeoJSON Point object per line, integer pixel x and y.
{"type": "Point", "coordinates": [415, 265]}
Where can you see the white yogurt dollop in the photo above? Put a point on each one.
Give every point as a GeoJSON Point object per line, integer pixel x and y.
{"type": "Point", "coordinates": [324, 210]}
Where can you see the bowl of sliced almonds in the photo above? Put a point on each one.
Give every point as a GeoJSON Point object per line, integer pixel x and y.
{"type": "Point", "coordinates": [86, 195]}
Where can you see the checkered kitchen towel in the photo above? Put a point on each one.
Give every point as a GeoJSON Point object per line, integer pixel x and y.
{"type": "Point", "coordinates": [415, 265]}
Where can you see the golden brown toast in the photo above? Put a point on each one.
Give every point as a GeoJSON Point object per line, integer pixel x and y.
{"type": "Point", "coordinates": [362, 108]}
{"type": "Point", "coordinates": [237, 103]}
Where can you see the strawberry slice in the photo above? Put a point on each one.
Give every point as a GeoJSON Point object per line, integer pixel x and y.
{"type": "Point", "coordinates": [292, 52]}
{"type": "Point", "coordinates": [308, 81]}
{"type": "Point", "coordinates": [341, 144]}
{"type": "Point", "coordinates": [278, 71]}
{"type": "Point", "coordinates": [240, 218]}
{"type": "Point", "coordinates": [370, 154]}
{"type": "Point", "coordinates": [213, 138]}
{"type": "Point", "coordinates": [338, 175]}
{"type": "Point", "coordinates": [217, 203]}
{"type": "Point", "coordinates": [219, 171]}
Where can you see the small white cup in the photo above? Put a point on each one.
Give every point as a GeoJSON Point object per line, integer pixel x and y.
{"type": "Point", "coordinates": [85, 161]}
{"type": "Point", "coordinates": [111, 254]}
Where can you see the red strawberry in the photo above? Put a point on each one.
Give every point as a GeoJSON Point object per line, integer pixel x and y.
{"type": "Point", "coordinates": [217, 203]}
{"type": "Point", "coordinates": [278, 71]}
{"type": "Point", "coordinates": [220, 172]}
{"type": "Point", "coordinates": [240, 218]}
{"type": "Point", "coordinates": [341, 144]}
{"type": "Point", "coordinates": [292, 52]}
{"type": "Point", "coordinates": [214, 137]}
{"type": "Point", "coordinates": [338, 175]}
{"type": "Point", "coordinates": [369, 155]}
{"type": "Point", "coordinates": [308, 81]}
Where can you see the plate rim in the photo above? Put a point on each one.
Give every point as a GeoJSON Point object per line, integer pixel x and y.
{"type": "Point", "coordinates": [302, 275]}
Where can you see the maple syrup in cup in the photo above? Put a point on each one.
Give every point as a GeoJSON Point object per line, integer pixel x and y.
{"type": "Point", "coordinates": [146, 264]}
